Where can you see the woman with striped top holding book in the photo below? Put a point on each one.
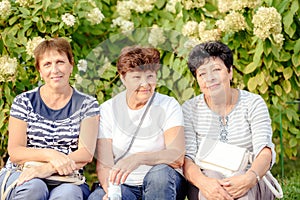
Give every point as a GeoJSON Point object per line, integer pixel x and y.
{"type": "Point", "coordinates": [229, 115]}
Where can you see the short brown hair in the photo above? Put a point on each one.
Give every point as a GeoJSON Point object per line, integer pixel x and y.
{"type": "Point", "coordinates": [137, 58]}
{"type": "Point", "coordinates": [61, 45]}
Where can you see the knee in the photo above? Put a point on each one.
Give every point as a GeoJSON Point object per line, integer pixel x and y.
{"type": "Point", "coordinates": [98, 193]}
{"type": "Point", "coordinates": [160, 175]}
{"type": "Point", "coordinates": [66, 192]}
{"type": "Point", "coordinates": [33, 189]}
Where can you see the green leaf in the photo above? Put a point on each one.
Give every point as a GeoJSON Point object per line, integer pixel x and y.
{"type": "Point", "coordinates": [267, 47]}
{"type": "Point", "coordinates": [46, 4]}
{"type": "Point", "coordinates": [275, 100]}
{"type": "Point", "coordinates": [296, 59]}
{"type": "Point", "coordinates": [24, 11]}
{"type": "Point", "coordinates": [250, 68]}
{"type": "Point", "coordinates": [166, 15]}
{"type": "Point", "coordinates": [294, 130]}
{"type": "Point", "coordinates": [292, 114]}
{"type": "Point", "coordinates": [293, 142]}
{"type": "Point", "coordinates": [165, 72]}
{"type": "Point", "coordinates": [278, 90]}
{"type": "Point", "coordinates": [268, 61]}
{"type": "Point", "coordinates": [286, 85]}
{"type": "Point", "coordinates": [41, 26]}
{"type": "Point", "coordinates": [12, 20]}
{"type": "Point", "coordinates": [260, 77]}
{"type": "Point", "coordinates": [275, 51]}
{"type": "Point", "coordinates": [264, 88]}
{"type": "Point", "coordinates": [297, 47]}
{"type": "Point", "coordinates": [159, 4]}
{"type": "Point", "coordinates": [287, 73]}
{"type": "Point", "coordinates": [35, 19]}
{"type": "Point", "coordinates": [258, 52]}
{"type": "Point", "coordinates": [252, 84]}
{"type": "Point", "coordinates": [54, 28]}
{"type": "Point", "coordinates": [187, 94]}
{"type": "Point", "coordinates": [284, 56]}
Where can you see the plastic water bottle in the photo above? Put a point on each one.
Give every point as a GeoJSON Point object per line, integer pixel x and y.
{"type": "Point", "coordinates": [114, 192]}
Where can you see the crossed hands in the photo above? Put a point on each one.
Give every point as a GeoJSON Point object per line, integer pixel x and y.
{"type": "Point", "coordinates": [226, 189]}
{"type": "Point", "coordinates": [59, 163]}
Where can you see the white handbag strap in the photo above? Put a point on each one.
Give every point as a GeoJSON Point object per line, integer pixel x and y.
{"type": "Point", "coordinates": [277, 190]}
{"type": "Point", "coordinates": [11, 186]}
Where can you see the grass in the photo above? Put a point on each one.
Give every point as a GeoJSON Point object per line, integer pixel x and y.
{"type": "Point", "coordinates": [290, 182]}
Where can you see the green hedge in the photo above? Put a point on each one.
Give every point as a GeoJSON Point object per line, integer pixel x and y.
{"type": "Point", "coordinates": [264, 36]}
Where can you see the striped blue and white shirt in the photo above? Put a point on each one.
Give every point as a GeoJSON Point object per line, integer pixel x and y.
{"type": "Point", "coordinates": [54, 129]}
{"type": "Point", "coordinates": [248, 124]}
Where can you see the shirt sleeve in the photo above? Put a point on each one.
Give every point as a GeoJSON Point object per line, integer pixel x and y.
{"type": "Point", "coordinates": [90, 107]}
{"type": "Point", "coordinates": [189, 132]}
{"type": "Point", "coordinates": [174, 115]}
{"type": "Point", "coordinates": [19, 108]}
{"type": "Point", "coordinates": [260, 123]}
{"type": "Point", "coordinates": [106, 120]}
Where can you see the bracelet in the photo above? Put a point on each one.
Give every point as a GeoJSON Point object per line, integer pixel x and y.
{"type": "Point", "coordinates": [257, 176]}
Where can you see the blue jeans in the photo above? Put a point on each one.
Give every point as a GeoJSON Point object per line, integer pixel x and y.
{"type": "Point", "coordinates": [37, 189]}
{"type": "Point", "coordinates": [162, 182]}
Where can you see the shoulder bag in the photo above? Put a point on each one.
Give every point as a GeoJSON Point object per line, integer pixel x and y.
{"type": "Point", "coordinates": [229, 159]}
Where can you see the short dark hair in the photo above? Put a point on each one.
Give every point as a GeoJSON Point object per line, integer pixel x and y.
{"type": "Point", "coordinates": [212, 49]}
{"type": "Point", "coordinates": [135, 58]}
{"type": "Point", "coordinates": [61, 45]}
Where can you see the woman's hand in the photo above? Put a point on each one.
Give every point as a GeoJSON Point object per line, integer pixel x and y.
{"type": "Point", "coordinates": [123, 168]}
{"type": "Point", "coordinates": [41, 171]}
{"type": "Point", "coordinates": [61, 162]}
{"type": "Point", "coordinates": [238, 186]}
{"type": "Point", "coordinates": [105, 197]}
{"type": "Point", "coordinates": [213, 189]}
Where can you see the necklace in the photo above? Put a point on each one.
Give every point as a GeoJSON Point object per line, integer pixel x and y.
{"type": "Point", "coordinates": [223, 121]}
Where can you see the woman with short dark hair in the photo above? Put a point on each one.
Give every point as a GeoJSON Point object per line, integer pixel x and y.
{"type": "Point", "coordinates": [230, 115]}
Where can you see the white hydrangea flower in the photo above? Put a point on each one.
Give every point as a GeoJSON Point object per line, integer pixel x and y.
{"type": "Point", "coordinates": [142, 6]}
{"type": "Point", "coordinates": [82, 65]}
{"type": "Point", "coordinates": [210, 35]}
{"type": "Point", "coordinates": [24, 3]}
{"type": "Point", "coordinates": [156, 36]}
{"type": "Point", "coordinates": [5, 8]}
{"type": "Point", "coordinates": [233, 22]}
{"type": "Point", "coordinates": [32, 44]}
{"type": "Point", "coordinates": [123, 9]}
{"type": "Point", "coordinates": [201, 26]}
{"type": "Point", "coordinates": [236, 5]}
{"type": "Point", "coordinates": [191, 43]}
{"type": "Point", "coordinates": [266, 21]}
{"type": "Point", "coordinates": [125, 25]}
{"type": "Point", "coordinates": [95, 17]}
{"type": "Point", "coordinates": [78, 79]}
{"type": "Point", "coordinates": [8, 67]}
{"type": "Point", "coordinates": [68, 19]}
{"type": "Point", "coordinates": [190, 28]}
{"type": "Point", "coordinates": [190, 4]}
{"type": "Point", "coordinates": [278, 39]}
{"type": "Point", "coordinates": [105, 66]}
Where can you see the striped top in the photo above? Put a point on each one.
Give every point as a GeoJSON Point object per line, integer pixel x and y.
{"type": "Point", "coordinates": [248, 124]}
{"type": "Point", "coordinates": [54, 129]}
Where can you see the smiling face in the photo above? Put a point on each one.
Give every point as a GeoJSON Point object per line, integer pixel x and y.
{"type": "Point", "coordinates": [140, 86]}
{"type": "Point", "coordinates": [55, 69]}
{"type": "Point", "coordinates": [213, 77]}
